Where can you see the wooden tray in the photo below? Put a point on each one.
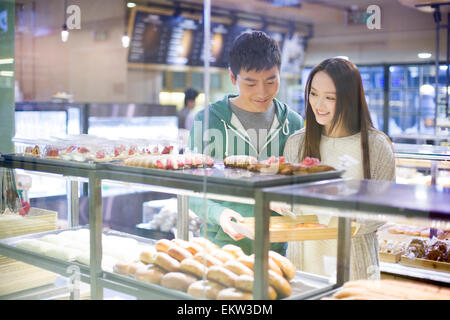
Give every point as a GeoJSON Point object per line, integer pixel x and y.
{"type": "Point", "coordinates": [16, 275]}
{"type": "Point", "coordinates": [389, 257]}
{"type": "Point", "coordinates": [37, 220]}
{"type": "Point", "coordinates": [426, 264]}
{"type": "Point", "coordinates": [247, 228]}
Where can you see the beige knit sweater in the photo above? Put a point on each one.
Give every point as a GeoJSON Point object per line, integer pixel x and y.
{"type": "Point", "coordinates": [344, 153]}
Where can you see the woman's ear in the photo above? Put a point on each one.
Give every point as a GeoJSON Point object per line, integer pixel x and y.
{"type": "Point", "coordinates": [232, 77]}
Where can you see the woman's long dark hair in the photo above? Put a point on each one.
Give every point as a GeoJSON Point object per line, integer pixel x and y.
{"type": "Point", "coordinates": [351, 112]}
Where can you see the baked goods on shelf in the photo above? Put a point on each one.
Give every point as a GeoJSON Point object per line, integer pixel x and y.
{"type": "Point", "coordinates": [434, 249]}
{"type": "Point", "coordinates": [211, 273]}
{"type": "Point", "coordinates": [276, 165]}
{"type": "Point", "coordinates": [390, 290]}
{"type": "Point", "coordinates": [239, 161]}
{"type": "Point", "coordinates": [169, 162]}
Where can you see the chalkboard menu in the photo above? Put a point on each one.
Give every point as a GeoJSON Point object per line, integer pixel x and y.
{"type": "Point", "coordinates": [167, 40]}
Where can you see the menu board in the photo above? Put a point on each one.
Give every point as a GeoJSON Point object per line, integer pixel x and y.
{"type": "Point", "coordinates": [168, 40]}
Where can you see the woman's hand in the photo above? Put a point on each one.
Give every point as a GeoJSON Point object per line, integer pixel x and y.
{"type": "Point", "coordinates": [225, 219]}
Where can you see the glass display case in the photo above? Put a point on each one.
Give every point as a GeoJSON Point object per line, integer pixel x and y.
{"type": "Point", "coordinates": [422, 164]}
{"type": "Point", "coordinates": [323, 193]}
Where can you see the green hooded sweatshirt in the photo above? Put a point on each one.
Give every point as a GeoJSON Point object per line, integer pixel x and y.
{"type": "Point", "coordinates": [228, 137]}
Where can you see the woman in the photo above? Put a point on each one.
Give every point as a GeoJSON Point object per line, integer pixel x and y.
{"type": "Point", "coordinates": [340, 133]}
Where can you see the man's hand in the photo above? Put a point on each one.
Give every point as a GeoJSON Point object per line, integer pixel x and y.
{"type": "Point", "coordinates": [225, 219]}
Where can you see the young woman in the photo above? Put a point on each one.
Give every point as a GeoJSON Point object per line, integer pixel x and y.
{"type": "Point", "coordinates": [339, 132]}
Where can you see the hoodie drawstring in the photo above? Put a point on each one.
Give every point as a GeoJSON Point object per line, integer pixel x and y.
{"type": "Point", "coordinates": [226, 137]}
{"type": "Point", "coordinates": [286, 125]}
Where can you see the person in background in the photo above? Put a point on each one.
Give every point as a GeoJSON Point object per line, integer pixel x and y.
{"type": "Point", "coordinates": [187, 114]}
{"type": "Point", "coordinates": [339, 132]}
{"type": "Point", "coordinates": [252, 122]}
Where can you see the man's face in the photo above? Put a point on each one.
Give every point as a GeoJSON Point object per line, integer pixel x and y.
{"type": "Point", "coordinates": [256, 88]}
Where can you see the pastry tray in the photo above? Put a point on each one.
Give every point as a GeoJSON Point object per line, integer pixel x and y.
{"type": "Point", "coordinates": [301, 285]}
{"type": "Point", "coordinates": [247, 228]}
{"type": "Point", "coordinates": [229, 176]}
{"type": "Point", "coordinates": [51, 162]}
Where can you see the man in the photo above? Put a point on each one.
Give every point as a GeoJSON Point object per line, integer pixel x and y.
{"type": "Point", "coordinates": [186, 115]}
{"type": "Point", "coordinates": [252, 123]}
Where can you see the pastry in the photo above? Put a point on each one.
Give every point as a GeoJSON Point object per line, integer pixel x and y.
{"type": "Point", "coordinates": [135, 267]}
{"type": "Point", "coordinates": [147, 257]}
{"type": "Point", "coordinates": [280, 284]}
{"type": "Point", "coordinates": [179, 253]}
{"type": "Point", "coordinates": [233, 249]}
{"type": "Point", "coordinates": [121, 268]}
{"type": "Point", "coordinates": [233, 294]}
{"type": "Point", "coordinates": [177, 281]}
{"type": "Point", "coordinates": [239, 161]}
{"type": "Point", "coordinates": [208, 259]}
{"type": "Point", "coordinates": [221, 275]}
{"type": "Point", "coordinates": [238, 268]}
{"type": "Point", "coordinates": [245, 283]}
{"type": "Point", "coordinates": [151, 274]}
{"type": "Point", "coordinates": [193, 267]}
{"type": "Point", "coordinates": [205, 289]}
{"type": "Point", "coordinates": [222, 255]}
{"type": "Point", "coordinates": [286, 266]}
{"type": "Point", "coordinates": [166, 262]}
{"type": "Point", "coordinates": [163, 245]}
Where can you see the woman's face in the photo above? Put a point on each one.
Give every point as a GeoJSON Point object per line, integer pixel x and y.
{"type": "Point", "coordinates": [322, 98]}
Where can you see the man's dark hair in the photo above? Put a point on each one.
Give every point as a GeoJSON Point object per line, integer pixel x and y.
{"type": "Point", "coordinates": [254, 50]}
{"type": "Point", "coordinates": [190, 94]}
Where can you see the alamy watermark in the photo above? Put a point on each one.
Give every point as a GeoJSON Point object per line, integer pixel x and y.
{"type": "Point", "coordinates": [374, 17]}
{"type": "Point", "coordinates": [73, 20]}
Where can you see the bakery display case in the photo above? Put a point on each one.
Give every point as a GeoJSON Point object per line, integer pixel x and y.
{"type": "Point", "coordinates": [422, 164]}
{"type": "Point", "coordinates": [99, 256]}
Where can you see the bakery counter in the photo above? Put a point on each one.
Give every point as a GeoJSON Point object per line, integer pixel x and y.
{"type": "Point", "coordinates": [416, 273]}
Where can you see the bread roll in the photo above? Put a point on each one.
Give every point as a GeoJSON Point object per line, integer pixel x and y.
{"type": "Point", "coordinates": [234, 250]}
{"type": "Point", "coordinates": [163, 245]}
{"type": "Point", "coordinates": [151, 274]}
{"type": "Point", "coordinates": [147, 257]}
{"type": "Point", "coordinates": [205, 289]}
{"type": "Point", "coordinates": [194, 267]}
{"type": "Point", "coordinates": [245, 283]}
{"type": "Point", "coordinates": [166, 262]}
{"type": "Point", "coordinates": [222, 255]}
{"type": "Point", "coordinates": [249, 261]}
{"type": "Point", "coordinates": [179, 253]}
{"type": "Point", "coordinates": [210, 260]}
{"type": "Point", "coordinates": [238, 268]}
{"type": "Point", "coordinates": [194, 248]}
{"type": "Point", "coordinates": [280, 284]}
{"type": "Point", "coordinates": [135, 266]}
{"type": "Point", "coordinates": [177, 281]}
{"type": "Point", "coordinates": [286, 266]}
{"type": "Point", "coordinates": [121, 268]}
{"type": "Point", "coordinates": [233, 294]}
{"type": "Point", "coordinates": [221, 275]}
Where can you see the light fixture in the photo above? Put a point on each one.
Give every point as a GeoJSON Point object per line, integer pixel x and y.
{"type": "Point", "coordinates": [125, 41]}
{"type": "Point", "coordinates": [424, 55]}
{"type": "Point", "coordinates": [64, 33]}
{"type": "Point", "coordinates": [131, 4]}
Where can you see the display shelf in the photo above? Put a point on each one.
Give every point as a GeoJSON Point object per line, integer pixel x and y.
{"type": "Point", "coordinates": [422, 152]}
{"type": "Point", "coordinates": [343, 194]}
{"type": "Point", "coordinates": [418, 273]}
{"type": "Point", "coordinates": [369, 196]}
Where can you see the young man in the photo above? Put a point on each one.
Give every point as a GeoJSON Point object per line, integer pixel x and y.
{"type": "Point", "coordinates": [252, 123]}
{"type": "Point", "coordinates": [186, 115]}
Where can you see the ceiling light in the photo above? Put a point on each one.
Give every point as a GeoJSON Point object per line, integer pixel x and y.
{"type": "Point", "coordinates": [131, 4]}
{"type": "Point", "coordinates": [64, 34]}
{"type": "Point", "coordinates": [424, 55]}
{"type": "Point", "coordinates": [125, 41]}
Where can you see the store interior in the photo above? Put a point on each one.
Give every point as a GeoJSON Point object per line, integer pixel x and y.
{"type": "Point", "coordinates": [115, 71]}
